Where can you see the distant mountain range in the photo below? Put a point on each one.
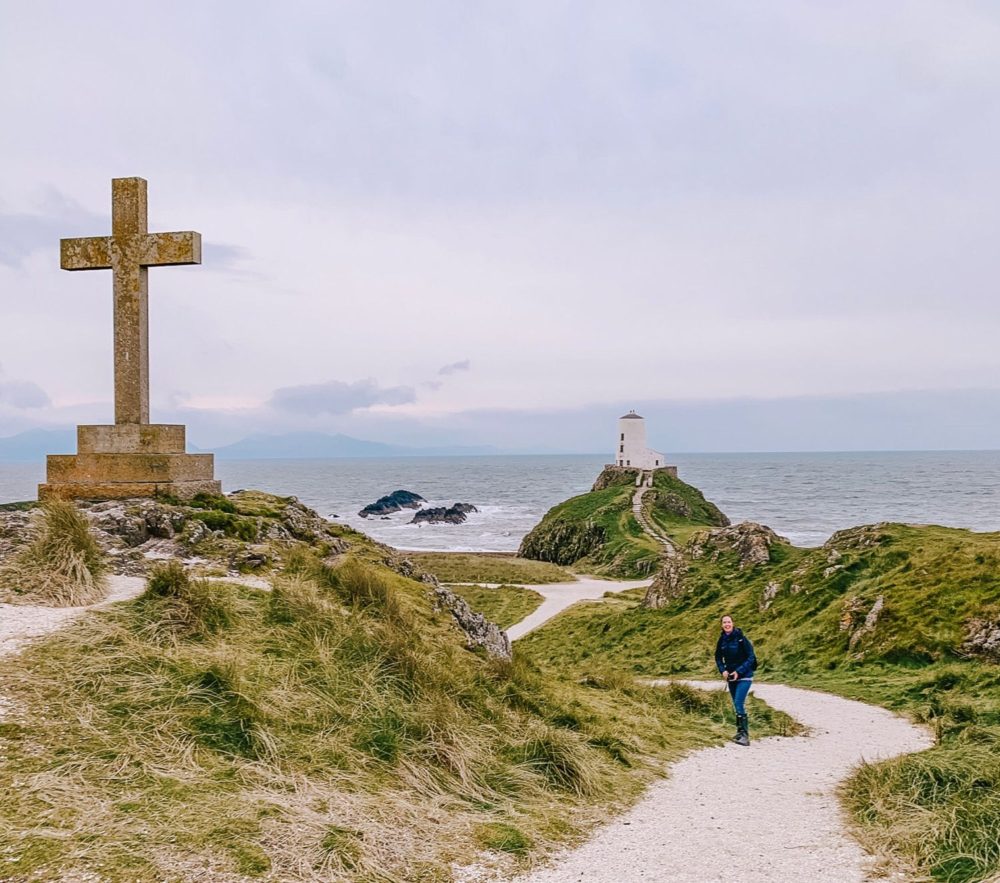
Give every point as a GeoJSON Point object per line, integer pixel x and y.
{"type": "Point", "coordinates": [320, 445]}
{"type": "Point", "coordinates": [36, 443]}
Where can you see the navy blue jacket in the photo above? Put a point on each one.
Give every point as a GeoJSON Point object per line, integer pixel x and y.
{"type": "Point", "coordinates": [734, 652]}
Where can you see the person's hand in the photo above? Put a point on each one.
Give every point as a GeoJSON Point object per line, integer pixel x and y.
{"type": "Point", "coordinates": [725, 676]}
{"type": "Point", "coordinates": [735, 676]}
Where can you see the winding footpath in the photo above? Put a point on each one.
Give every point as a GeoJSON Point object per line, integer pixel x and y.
{"type": "Point", "coordinates": [559, 596]}
{"type": "Point", "coordinates": [19, 623]}
{"type": "Point", "coordinates": [764, 814]}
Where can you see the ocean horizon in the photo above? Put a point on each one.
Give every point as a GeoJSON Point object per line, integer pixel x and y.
{"type": "Point", "coordinates": [804, 496]}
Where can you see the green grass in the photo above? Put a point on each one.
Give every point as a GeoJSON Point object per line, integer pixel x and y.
{"type": "Point", "coordinates": [63, 566]}
{"type": "Point", "coordinates": [465, 567]}
{"type": "Point", "coordinates": [331, 729]}
{"type": "Point", "coordinates": [505, 606]}
{"type": "Point", "coordinates": [597, 532]}
{"type": "Point", "coordinates": [938, 811]}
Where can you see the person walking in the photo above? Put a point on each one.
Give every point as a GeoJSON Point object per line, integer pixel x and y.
{"type": "Point", "coordinates": [736, 662]}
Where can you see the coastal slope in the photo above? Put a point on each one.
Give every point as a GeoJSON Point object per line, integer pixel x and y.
{"type": "Point", "coordinates": [904, 616]}
{"type": "Point", "coordinates": [598, 532]}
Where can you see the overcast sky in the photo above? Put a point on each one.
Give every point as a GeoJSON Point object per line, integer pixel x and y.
{"type": "Point", "coordinates": [417, 213]}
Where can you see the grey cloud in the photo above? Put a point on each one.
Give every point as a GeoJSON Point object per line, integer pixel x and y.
{"type": "Point", "coordinates": [455, 367]}
{"type": "Point", "coordinates": [22, 233]}
{"type": "Point", "coordinates": [23, 394]}
{"type": "Point", "coordinates": [219, 256]}
{"type": "Point", "coordinates": [337, 397]}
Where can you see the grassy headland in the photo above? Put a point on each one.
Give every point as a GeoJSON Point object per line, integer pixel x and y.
{"type": "Point", "coordinates": [332, 728]}
{"type": "Point", "coordinates": [898, 615]}
{"type": "Point", "coordinates": [597, 532]}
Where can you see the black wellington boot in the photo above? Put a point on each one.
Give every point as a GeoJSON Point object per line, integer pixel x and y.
{"type": "Point", "coordinates": [743, 730]}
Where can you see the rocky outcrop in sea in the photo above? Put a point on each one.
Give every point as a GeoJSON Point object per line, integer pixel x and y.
{"type": "Point", "coordinates": [456, 514]}
{"type": "Point", "coordinates": [394, 502]}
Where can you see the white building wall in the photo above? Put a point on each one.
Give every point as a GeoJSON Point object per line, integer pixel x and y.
{"type": "Point", "coordinates": [631, 448]}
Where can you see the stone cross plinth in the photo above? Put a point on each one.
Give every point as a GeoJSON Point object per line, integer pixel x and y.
{"type": "Point", "coordinates": [132, 458]}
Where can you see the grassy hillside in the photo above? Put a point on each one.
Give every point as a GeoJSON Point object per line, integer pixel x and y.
{"type": "Point", "coordinates": [597, 532]}
{"type": "Point", "coordinates": [505, 605]}
{"type": "Point", "coordinates": [332, 728]}
{"type": "Point", "coordinates": [898, 615]}
{"type": "Point", "coordinates": [468, 567]}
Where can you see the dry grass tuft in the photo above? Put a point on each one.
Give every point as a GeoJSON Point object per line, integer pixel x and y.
{"type": "Point", "coordinates": [63, 566]}
{"type": "Point", "coordinates": [177, 606]}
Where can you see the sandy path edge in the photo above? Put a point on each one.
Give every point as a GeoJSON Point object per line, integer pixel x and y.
{"type": "Point", "coordinates": [20, 623]}
{"type": "Point", "coordinates": [559, 596]}
{"type": "Point", "coordinates": [758, 815]}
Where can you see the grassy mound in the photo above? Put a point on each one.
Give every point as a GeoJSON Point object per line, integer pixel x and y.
{"type": "Point", "coordinates": [505, 605]}
{"type": "Point", "coordinates": [597, 532]}
{"type": "Point", "coordinates": [330, 729]}
{"type": "Point", "coordinates": [888, 614]}
{"type": "Point", "coordinates": [63, 566]}
{"type": "Point", "coordinates": [468, 567]}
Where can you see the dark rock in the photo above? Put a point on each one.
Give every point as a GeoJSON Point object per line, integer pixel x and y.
{"type": "Point", "coordinates": [16, 529]}
{"type": "Point", "coordinates": [456, 514]}
{"type": "Point", "coordinates": [251, 557]}
{"type": "Point", "coordinates": [668, 584]}
{"type": "Point", "coordinates": [302, 522]}
{"type": "Point", "coordinates": [121, 520]}
{"type": "Point", "coordinates": [273, 531]}
{"type": "Point", "coordinates": [770, 593]}
{"type": "Point", "coordinates": [162, 522]}
{"type": "Point", "coordinates": [871, 620]}
{"type": "Point", "coordinates": [479, 631]}
{"type": "Point", "coordinates": [562, 541]}
{"type": "Point", "coordinates": [394, 502]}
{"type": "Point", "coordinates": [194, 533]}
{"type": "Point", "coordinates": [616, 476]}
{"type": "Point", "coordinates": [982, 638]}
{"type": "Point", "coordinates": [750, 541]}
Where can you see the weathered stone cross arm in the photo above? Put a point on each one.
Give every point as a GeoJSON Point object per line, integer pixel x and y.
{"type": "Point", "coordinates": [145, 249]}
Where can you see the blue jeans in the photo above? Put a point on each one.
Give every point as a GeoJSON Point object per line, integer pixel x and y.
{"type": "Point", "coordinates": [738, 690]}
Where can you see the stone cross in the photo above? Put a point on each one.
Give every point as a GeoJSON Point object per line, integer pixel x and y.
{"type": "Point", "coordinates": [128, 252]}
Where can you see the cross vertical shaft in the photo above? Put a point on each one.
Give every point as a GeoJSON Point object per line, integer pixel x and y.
{"type": "Point", "coordinates": [131, 293]}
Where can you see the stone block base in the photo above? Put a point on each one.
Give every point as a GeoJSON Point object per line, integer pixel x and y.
{"type": "Point", "coordinates": [129, 460]}
{"type": "Point", "coordinates": [123, 490]}
{"type": "Point", "coordinates": [131, 438]}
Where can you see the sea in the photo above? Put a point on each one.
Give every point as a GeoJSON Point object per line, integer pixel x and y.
{"type": "Point", "coordinates": [803, 496]}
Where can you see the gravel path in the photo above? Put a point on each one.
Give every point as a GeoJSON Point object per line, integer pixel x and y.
{"type": "Point", "coordinates": [559, 596]}
{"type": "Point", "coordinates": [764, 813]}
{"type": "Point", "coordinates": [19, 623]}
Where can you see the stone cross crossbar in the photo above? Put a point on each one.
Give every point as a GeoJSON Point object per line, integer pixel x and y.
{"type": "Point", "coordinates": [128, 252]}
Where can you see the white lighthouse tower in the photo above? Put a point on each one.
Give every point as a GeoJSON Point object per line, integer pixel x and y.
{"type": "Point", "coordinates": [631, 450]}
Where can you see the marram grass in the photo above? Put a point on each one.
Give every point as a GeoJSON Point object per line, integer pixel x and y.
{"type": "Point", "coordinates": [468, 567]}
{"type": "Point", "coordinates": [333, 728]}
{"type": "Point", "coordinates": [63, 566]}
